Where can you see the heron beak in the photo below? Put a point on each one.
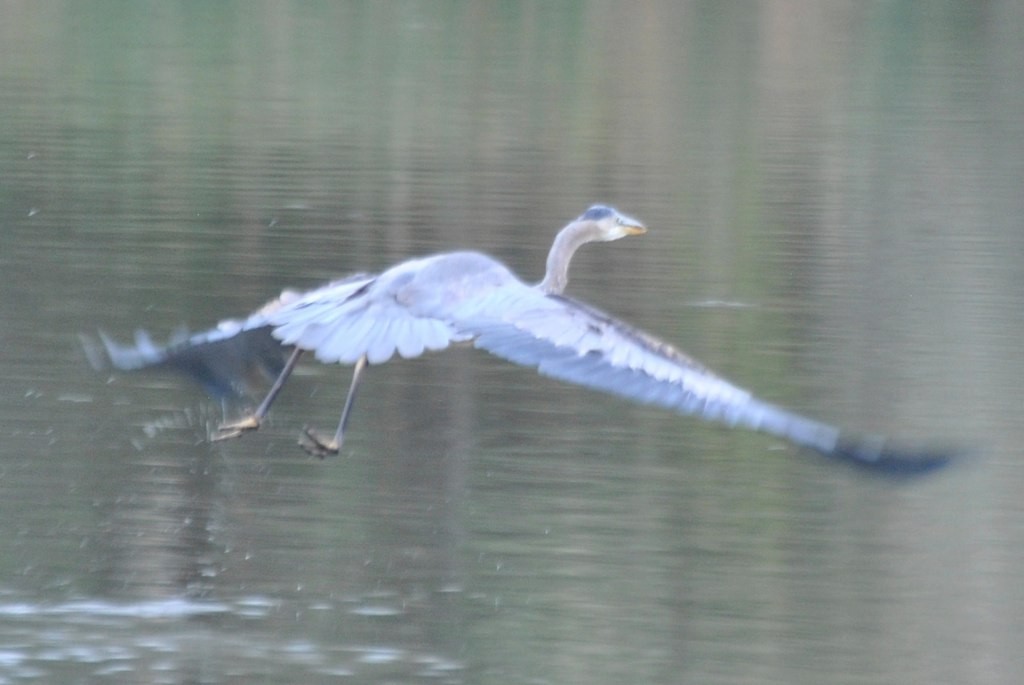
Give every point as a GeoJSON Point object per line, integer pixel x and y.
{"type": "Point", "coordinates": [629, 225]}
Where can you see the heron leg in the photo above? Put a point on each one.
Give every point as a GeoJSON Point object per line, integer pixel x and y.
{"type": "Point", "coordinates": [252, 421]}
{"type": "Point", "coordinates": [316, 445]}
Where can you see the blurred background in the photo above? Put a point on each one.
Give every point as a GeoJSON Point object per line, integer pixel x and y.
{"type": "Point", "coordinates": [834, 197]}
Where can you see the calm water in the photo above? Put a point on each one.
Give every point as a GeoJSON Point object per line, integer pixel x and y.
{"type": "Point", "coordinates": [834, 197]}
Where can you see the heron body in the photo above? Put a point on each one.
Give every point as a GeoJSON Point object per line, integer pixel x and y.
{"type": "Point", "coordinates": [429, 303]}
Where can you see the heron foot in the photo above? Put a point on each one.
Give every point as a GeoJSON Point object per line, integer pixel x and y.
{"type": "Point", "coordinates": [316, 445]}
{"type": "Point", "coordinates": [237, 429]}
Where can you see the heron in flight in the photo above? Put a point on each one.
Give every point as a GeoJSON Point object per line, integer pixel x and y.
{"type": "Point", "coordinates": [430, 303]}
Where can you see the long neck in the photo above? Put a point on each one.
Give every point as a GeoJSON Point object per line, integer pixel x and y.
{"type": "Point", "coordinates": [566, 243]}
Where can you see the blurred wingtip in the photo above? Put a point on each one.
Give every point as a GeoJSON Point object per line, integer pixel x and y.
{"type": "Point", "coordinates": [883, 457]}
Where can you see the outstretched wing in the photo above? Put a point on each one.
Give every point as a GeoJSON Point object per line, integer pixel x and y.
{"type": "Point", "coordinates": [227, 361]}
{"type": "Point", "coordinates": [574, 342]}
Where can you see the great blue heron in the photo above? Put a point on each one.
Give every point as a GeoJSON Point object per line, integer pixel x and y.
{"type": "Point", "coordinates": [468, 297]}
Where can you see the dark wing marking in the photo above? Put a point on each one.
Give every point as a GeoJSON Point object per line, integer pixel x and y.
{"type": "Point", "coordinates": [574, 342]}
{"type": "Point", "coordinates": [226, 364]}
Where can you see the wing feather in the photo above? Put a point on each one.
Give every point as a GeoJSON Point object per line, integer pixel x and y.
{"type": "Point", "coordinates": [408, 345]}
{"type": "Point", "coordinates": [573, 342]}
{"type": "Point", "coordinates": [226, 361]}
{"type": "Point", "coordinates": [345, 320]}
{"type": "Point", "coordinates": [381, 344]}
{"type": "Point", "coordinates": [346, 342]}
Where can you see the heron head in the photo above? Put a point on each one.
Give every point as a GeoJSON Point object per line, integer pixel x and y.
{"type": "Point", "coordinates": [597, 224]}
{"type": "Point", "coordinates": [606, 223]}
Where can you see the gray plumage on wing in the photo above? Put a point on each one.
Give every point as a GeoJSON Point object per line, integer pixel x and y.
{"type": "Point", "coordinates": [231, 360]}
{"type": "Point", "coordinates": [228, 364]}
{"type": "Point", "coordinates": [430, 303]}
{"type": "Point", "coordinates": [228, 360]}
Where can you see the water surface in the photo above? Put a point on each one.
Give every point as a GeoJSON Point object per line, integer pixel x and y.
{"type": "Point", "coordinates": [834, 198]}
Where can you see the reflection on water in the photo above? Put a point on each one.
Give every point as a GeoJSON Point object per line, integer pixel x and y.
{"type": "Point", "coordinates": [848, 174]}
